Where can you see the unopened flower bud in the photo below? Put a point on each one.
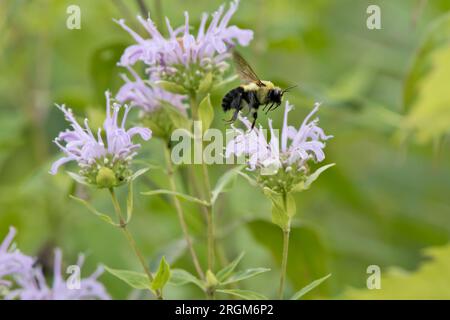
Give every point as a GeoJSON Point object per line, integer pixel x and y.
{"type": "Point", "coordinates": [106, 178]}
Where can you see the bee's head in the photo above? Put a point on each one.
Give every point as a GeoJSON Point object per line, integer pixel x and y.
{"type": "Point", "coordinates": [275, 95]}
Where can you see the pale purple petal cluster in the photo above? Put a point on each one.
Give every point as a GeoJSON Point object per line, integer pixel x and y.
{"type": "Point", "coordinates": [35, 286]}
{"type": "Point", "coordinates": [81, 145]}
{"type": "Point", "coordinates": [209, 45]}
{"type": "Point", "coordinates": [298, 146]}
{"type": "Point", "coordinates": [139, 93]}
{"type": "Point", "coordinates": [27, 281]}
{"type": "Point", "coordinates": [12, 261]}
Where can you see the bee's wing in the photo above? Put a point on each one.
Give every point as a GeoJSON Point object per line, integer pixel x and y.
{"type": "Point", "coordinates": [244, 70]}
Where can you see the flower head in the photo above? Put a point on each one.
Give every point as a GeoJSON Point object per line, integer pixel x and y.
{"type": "Point", "coordinates": [284, 165]}
{"type": "Point", "coordinates": [26, 281]}
{"type": "Point", "coordinates": [12, 261]}
{"type": "Point", "coordinates": [34, 286]}
{"type": "Point", "coordinates": [148, 98]}
{"type": "Point", "coordinates": [185, 58]}
{"type": "Point", "coordinates": [105, 156]}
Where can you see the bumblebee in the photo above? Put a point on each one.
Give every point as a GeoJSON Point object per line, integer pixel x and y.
{"type": "Point", "coordinates": [252, 94]}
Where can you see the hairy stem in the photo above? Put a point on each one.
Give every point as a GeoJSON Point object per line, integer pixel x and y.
{"type": "Point", "coordinates": [131, 241]}
{"type": "Point", "coordinates": [207, 192]}
{"type": "Point", "coordinates": [180, 214]}
{"type": "Point", "coordinates": [284, 261]}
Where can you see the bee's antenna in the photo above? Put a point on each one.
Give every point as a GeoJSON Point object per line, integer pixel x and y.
{"type": "Point", "coordinates": [288, 88]}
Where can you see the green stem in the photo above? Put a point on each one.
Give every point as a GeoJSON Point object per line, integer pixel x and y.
{"type": "Point", "coordinates": [180, 214]}
{"type": "Point", "coordinates": [208, 208]}
{"type": "Point", "coordinates": [284, 260]}
{"type": "Point", "coordinates": [209, 220]}
{"type": "Point", "coordinates": [131, 241]}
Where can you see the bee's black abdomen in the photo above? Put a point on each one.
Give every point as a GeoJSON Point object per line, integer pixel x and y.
{"type": "Point", "coordinates": [229, 97]}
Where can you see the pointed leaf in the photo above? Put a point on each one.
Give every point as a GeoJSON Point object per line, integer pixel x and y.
{"type": "Point", "coordinates": [177, 194]}
{"type": "Point", "coordinates": [224, 182]}
{"type": "Point", "coordinates": [138, 173]}
{"type": "Point", "coordinates": [205, 84]}
{"type": "Point", "coordinates": [250, 180]}
{"type": "Point", "coordinates": [313, 177]}
{"type": "Point", "coordinates": [78, 178]}
{"type": "Point", "coordinates": [136, 280]}
{"type": "Point", "coordinates": [242, 275]}
{"type": "Point", "coordinates": [162, 275]}
{"type": "Point", "coordinates": [309, 287]}
{"type": "Point", "coordinates": [130, 202]}
{"type": "Point", "coordinates": [179, 277]}
{"type": "Point", "coordinates": [171, 87]}
{"type": "Point", "coordinates": [102, 216]}
{"type": "Point", "coordinates": [244, 294]}
{"type": "Point", "coordinates": [224, 273]}
{"type": "Point", "coordinates": [206, 112]}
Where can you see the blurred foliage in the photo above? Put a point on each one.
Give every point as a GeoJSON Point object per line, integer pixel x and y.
{"type": "Point", "coordinates": [429, 282]}
{"type": "Point", "coordinates": [426, 96]}
{"type": "Point", "coordinates": [381, 204]}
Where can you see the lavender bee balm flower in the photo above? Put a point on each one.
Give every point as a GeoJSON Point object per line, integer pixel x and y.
{"type": "Point", "coordinates": [104, 159]}
{"type": "Point", "coordinates": [184, 58]}
{"type": "Point", "coordinates": [281, 168]}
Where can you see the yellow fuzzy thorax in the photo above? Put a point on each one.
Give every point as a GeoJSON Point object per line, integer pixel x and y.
{"type": "Point", "coordinates": [252, 86]}
{"type": "Point", "coordinates": [260, 91]}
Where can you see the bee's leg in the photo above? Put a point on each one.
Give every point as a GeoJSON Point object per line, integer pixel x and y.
{"type": "Point", "coordinates": [255, 115]}
{"type": "Point", "coordinates": [273, 107]}
{"type": "Point", "coordinates": [254, 105]}
{"type": "Point", "coordinates": [276, 106]}
{"type": "Point", "coordinates": [234, 117]}
{"type": "Point", "coordinates": [269, 109]}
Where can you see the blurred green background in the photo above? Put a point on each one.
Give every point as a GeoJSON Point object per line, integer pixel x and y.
{"type": "Point", "coordinates": [386, 100]}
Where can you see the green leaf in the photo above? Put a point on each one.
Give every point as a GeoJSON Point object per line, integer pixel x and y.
{"type": "Point", "coordinates": [309, 287]}
{"type": "Point", "coordinates": [283, 207]}
{"type": "Point", "coordinates": [250, 180]}
{"type": "Point", "coordinates": [171, 87]}
{"type": "Point", "coordinates": [310, 260]}
{"type": "Point", "coordinates": [102, 216]}
{"type": "Point", "coordinates": [428, 282]}
{"type": "Point", "coordinates": [206, 113]}
{"type": "Point", "coordinates": [243, 294]}
{"type": "Point", "coordinates": [162, 275]}
{"type": "Point", "coordinates": [245, 274]}
{"type": "Point", "coordinates": [177, 194]}
{"type": "Point", "coordinates": [224, 182]}
{"type": "Point", "coordinates": [313, 177]}
{"type": "Point", "coordinates": [205, 84]}
{"type": "Point", "coordinates": [136, 280]}
{"type": "Point", "coordinates": [224, 273]}
{"type": "Point", "coordinates": [138, 173]}
{"type": "Point", "coordinates": [78, 178]}
{"type": "Point", "coordinates": [179, 277]}
{"type": "Point", "coordinates": [426, 96]}
{"type": "Point", "coordinates": [130, 202]}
